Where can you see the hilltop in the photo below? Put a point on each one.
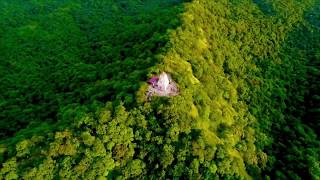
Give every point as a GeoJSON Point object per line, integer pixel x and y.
{"type": "Point", "coordinates": [74, 81]}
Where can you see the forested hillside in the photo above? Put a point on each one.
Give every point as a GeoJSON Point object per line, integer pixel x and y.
{"type": "Point", "coordinates": [59, 54]}
{"type": "Point", "coordinates": [73, 83]}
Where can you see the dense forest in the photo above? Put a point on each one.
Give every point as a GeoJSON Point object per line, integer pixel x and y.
{"type": "Point", "coordinates": [73, 83]}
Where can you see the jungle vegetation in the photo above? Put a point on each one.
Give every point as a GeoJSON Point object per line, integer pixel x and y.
{"type": "Point", "coordinates": [73, 82]}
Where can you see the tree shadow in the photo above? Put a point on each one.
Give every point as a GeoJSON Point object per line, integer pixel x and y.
{"type": "Point", "coordinates": [265, 7]}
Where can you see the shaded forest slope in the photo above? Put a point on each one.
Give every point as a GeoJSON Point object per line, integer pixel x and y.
{"type": "Point", "coordinates": [60, 54]}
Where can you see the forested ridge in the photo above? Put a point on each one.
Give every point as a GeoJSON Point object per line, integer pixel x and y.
{"type": "Point", "coordinates": [73, 82]}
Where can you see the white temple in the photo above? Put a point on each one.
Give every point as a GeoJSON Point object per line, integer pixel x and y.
{"type": "Point", "coordinates": [163, 81]}
{"type": "Point", "coordinates": [164, 86]}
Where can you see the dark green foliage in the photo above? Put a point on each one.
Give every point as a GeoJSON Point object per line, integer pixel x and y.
{"type": "Point", "coordinates": [297, 137]}
{"type": "Point", "coordinates": [72, 89]}
{"type": "Point", "coordinates": [75, 52]}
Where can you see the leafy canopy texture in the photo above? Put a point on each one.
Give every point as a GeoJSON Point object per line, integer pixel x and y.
{"type": "Point", "coordinates": [73, 78]}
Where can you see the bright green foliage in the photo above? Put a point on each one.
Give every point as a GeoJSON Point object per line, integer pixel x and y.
{"type": "Point", "coordinates": [72, 87]}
